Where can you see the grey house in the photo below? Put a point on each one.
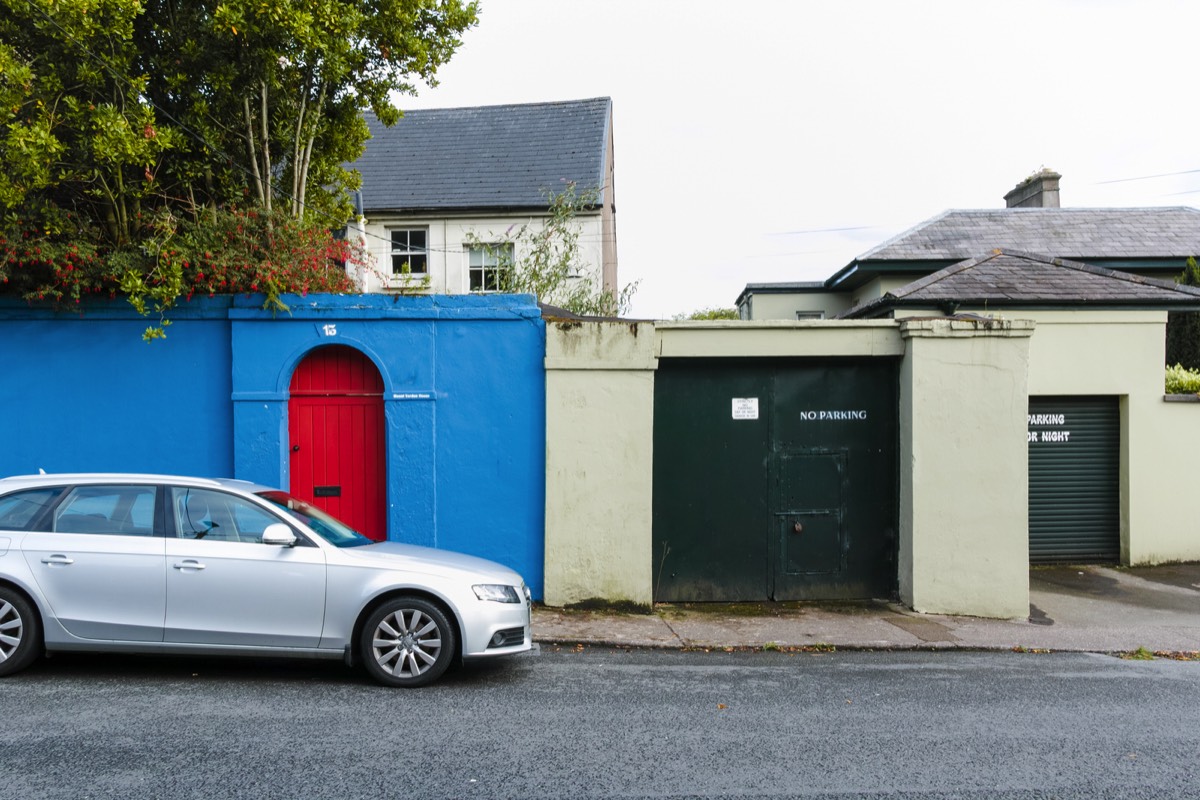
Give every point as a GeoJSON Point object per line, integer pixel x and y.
{"type": "Point", "coordinates": [1152, 242]}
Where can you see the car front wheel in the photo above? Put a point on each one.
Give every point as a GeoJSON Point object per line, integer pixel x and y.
{"type": "Point", "coordinates": [20, 634]}
{"type": "Point", "coordinates": [407, 642]}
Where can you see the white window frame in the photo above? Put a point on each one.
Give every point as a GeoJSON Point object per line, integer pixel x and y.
{"type": "Point", "coordinates": [407, 251]}
{"type": "Point", "coordinates": [493, 257]}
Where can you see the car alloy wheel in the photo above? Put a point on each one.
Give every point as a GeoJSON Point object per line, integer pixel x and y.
{"type": "Point", "coordinates": [19, 632]}
{"type": "Point", "coordinates": [407, 642]}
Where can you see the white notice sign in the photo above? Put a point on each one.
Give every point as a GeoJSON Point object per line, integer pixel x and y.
{"type": "Point", "coordinates": [745, 408]}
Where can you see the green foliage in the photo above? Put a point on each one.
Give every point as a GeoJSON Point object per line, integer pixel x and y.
{"type": "Point", "coordinates": [709, 313]}
{"type": "Point", "coordinates": [409, 284]}
{"type": "Point", "coordinates": [1183, 327]}
{"type": "Point", "coordinates": [549, 262]}
{"type": "Point", "coordinates": [229, 251]}
{"type": "Point", "coordinates": [133, 128]}
{"type": "Point", "coordinates": [1141, 654]}
{"type": "Point", "coordinates": [1182, 381]}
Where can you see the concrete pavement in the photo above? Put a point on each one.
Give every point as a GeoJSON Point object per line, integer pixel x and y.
{"type": "Point", "coordinates": [1076, 608]}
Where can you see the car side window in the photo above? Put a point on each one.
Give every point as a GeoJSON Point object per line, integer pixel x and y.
{"type": "Point", "coordinates": [217, 516]}
{"type": "Point", "coordinates": [111, 510]}
{"type": "Point", "coordinates": [20, 510]}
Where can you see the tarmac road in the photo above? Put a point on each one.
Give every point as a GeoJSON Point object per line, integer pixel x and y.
{"type": "Point", "coordinates": [599, 722]}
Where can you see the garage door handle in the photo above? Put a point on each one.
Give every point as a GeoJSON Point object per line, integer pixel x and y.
{"type": "Point", "coordinates": [190, 565]}
{"type": "Point", "coordinates": [58, 560]}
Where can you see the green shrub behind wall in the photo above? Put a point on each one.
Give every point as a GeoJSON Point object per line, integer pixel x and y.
{"type": "Point", "coordinates": [1182, 381]}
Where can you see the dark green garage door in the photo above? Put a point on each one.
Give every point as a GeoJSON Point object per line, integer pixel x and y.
{"type": "Point", "coordinates": [775, 479]}
{"type": "Point", "coordinates": [1074, 472]}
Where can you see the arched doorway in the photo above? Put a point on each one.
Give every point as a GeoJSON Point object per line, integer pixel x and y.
{"type": "Point", "coordinates": [337, 436]}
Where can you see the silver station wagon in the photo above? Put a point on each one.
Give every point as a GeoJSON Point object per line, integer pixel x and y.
{"type": "Point", "coordinates": [164, 564]}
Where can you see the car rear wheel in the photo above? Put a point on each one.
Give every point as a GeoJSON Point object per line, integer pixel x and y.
{"type": "Point", "coordinates": [20, 632]}
{"type": "Point", "coordinates": [407, 642]}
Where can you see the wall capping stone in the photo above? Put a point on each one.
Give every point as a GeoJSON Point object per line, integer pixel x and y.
{"type": "Point", "coordinates": [600, 345]}
{"type": "Point", "coordinates": [951, 327]}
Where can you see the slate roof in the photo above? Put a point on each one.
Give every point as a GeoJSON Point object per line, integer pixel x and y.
{"type": "Point", "coordinates": [1009, 278]}
{"type": "Point", "coordinates": [488, 157]}
{"type": "Point", "coordinates": [1075, 233]}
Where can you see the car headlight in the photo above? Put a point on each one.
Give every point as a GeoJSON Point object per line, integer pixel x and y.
{"type": "Point", "coordinates": [496, 592]}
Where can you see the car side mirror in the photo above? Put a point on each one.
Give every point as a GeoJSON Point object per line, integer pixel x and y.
{"type": "Point", "coordinates": [279, 535]}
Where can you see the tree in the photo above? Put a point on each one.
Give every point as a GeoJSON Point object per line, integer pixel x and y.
{"type": "Point", "coordinates": [1183, 327]}
{"type": "Point", "coordinates": [80, 143]}
{"type": "Point", "coordinates": [546, 260]}
{"type": "Point", "coordinates": [710, 313]}
{"type": "Point", "coordinates": [280, 88]}
{"type": "Point", "coordinates": [195, 103]}
{"type": "Point", "coordinates": [134, 134]}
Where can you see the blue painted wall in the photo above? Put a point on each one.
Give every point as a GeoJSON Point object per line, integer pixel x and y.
{"type": "Point", "coordinates": [85, 393]}
{"type": "Point", "coordinates": [464, 397]}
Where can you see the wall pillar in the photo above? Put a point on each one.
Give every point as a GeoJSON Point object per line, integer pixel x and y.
{"type": "Point", "coordinates": [964, 482]}
{"type": "Point", "coordinates": [599, 461]}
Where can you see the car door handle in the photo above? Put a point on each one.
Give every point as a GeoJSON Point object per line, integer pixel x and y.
{"type": "Point", "coordinates": [58, 559]}
{"type": "Point", "coordinates": [190, 564]}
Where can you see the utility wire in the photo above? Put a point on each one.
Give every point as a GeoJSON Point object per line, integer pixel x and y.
{"type": "Point", "coordinates": [1149, 177]}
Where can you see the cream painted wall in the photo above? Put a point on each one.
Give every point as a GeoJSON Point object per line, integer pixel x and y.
{"type": "Point", "coordinates": [878, 287]}
{"type": "Point", "coordinates": [784, 305]}
{"type": "Point", "coordinates": [781, 306]}
{"type": "Point", "coordinates": [600, 435]}
{"type": "Point", "coordinates": [599, 461]}
{"type": "Point", "coordinates": [1163, 443]}
{"type": "Point", "coordinates": [1121, 353]}
{"type": "Point", "coordinates": [964, 544]}
{"type": "Point", "coordinates": [448, 238]}
{"type": "Point", "coordinates": [734, 338]}
{"type": "Point", "coordinates": [964, 468]}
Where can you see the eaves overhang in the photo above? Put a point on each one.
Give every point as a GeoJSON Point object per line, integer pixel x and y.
{"type": "Point", "coordinates": [858, 273]}
{"type": "Point", "coordinates": [467, 211]}
{"type": "Point", "coordinates": [1173, 265]}
{"type": "Point", "coordinates": [885, 305]}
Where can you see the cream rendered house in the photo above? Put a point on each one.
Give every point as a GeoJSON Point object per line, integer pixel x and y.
{"type": "Point", "coordinates": [444, 192]}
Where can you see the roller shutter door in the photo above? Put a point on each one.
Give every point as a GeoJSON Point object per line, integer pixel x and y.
{"type": "Point", "coordinates": [1074, 471]}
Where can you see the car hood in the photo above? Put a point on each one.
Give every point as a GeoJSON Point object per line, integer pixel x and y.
{"type": "Point", "coordinates": [411, 557]}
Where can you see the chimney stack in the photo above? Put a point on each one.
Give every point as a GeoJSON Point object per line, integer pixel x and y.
{"type": "Point", "coordinates": [1039, 190]}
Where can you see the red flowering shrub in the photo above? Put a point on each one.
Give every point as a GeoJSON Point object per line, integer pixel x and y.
{"type": "Point", "coordinates": [230, 252]}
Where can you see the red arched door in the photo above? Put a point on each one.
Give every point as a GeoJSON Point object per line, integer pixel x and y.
{"type": "Point", "coordinates": [336, 431]}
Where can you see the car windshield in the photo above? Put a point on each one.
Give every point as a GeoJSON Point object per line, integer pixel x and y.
{"type": "Point", "coordinates": [329, 528]}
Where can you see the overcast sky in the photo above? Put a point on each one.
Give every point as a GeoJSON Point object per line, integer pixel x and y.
{"type": "Point", "coordinates": [776, 140]}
